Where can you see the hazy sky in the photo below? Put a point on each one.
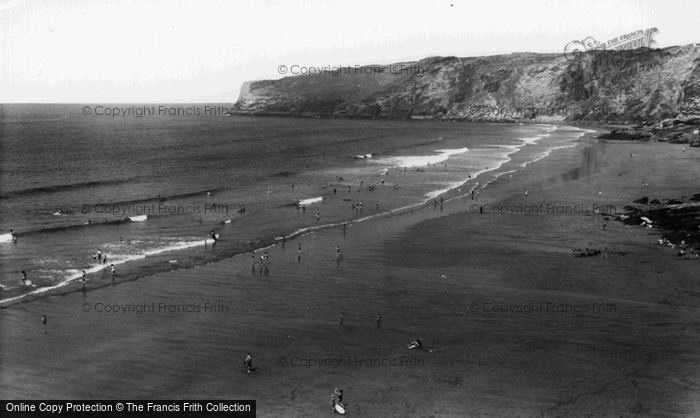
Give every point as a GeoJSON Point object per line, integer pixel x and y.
{"type": "Point", "coordinates": [101, 51]}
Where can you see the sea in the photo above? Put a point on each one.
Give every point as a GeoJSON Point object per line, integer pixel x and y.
{"type": "Point", "coordinates": [177, 189]}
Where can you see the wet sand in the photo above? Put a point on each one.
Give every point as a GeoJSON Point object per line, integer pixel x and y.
{"type": "Point", "coordinates": [439, 274]}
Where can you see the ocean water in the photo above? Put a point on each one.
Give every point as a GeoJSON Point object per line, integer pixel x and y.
{"type": "Point", "coordinates": [72, 184]}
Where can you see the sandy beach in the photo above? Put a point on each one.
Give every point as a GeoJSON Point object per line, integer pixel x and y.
{"type": "Point", "coordinates": [611, 336]}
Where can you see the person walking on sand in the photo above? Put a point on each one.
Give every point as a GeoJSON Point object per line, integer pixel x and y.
{"type": "Point", "coordinates": [44, 319]}
{"type": "Point", "coordinates": [379, 320]}
{"type": "Point", "coordinates": [339, 394]}
{"type": "Point", "coordinates": [604, 225]}
{"type": "Point", "coordinates": [112, 266]}
{"type": "Point", "coordinates": [299, 253]}
{"type": "Point", "coordinates": [318, 215]}
{"type": "Point", "coordinates": [248, 362]}
{"type": "Point", "coordinates": [24, 278]}
{"type": "Point", "coordinates": [84, 274]}
{"type": "Point", "coordinates": [341, 318]}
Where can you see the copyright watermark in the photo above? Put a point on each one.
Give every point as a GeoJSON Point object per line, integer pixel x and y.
{"type": "Point", "coordinates": [533, 111]}
{"type": "Point", "coordinates": [144, 111]}
{"type": "Point", "coordinates": [154, 308]}
{"type": "Point", "coordinates": [337, 362]}
{"type": "Point", "coordinates": [542, 208]}
{"type": "Point", "coordinates": [335, 71]}
{"type": "Point", "coordinates": [541, 308]}
{"type": "Point", "coordinates": [154, 209]}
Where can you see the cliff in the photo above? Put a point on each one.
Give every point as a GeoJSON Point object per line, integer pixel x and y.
{"type": "Point", "coordinates": [634, 86]}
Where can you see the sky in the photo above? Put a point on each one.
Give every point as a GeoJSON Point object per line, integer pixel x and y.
{"type": "Point", "coordinates": [202, 51]}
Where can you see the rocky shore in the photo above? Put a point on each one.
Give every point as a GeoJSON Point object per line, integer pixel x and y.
{"type": "Point", "coordinates": [683, 129]}
{"type": "Point", "coordinates": [678, 218]}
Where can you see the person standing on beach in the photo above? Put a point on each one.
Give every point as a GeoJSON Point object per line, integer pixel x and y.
{"type": "Point", "coordinates": [84, 274]}
{"type": "Point", "coordinates": [299, 253]}
{"type": "Point", "coordinates": [248, 362]}
{"type": "Point", "coordinates": [44, 319]}
{"type": "Point", "coordinates": [112, 266]}
{"type": "Point", "coordinates": [24, 278]}
{"type": "Point", "coordinates": [379, 320]}
{"type": "Point", "coordinates": [338, 255]}
{"type": "Point", "coordinates": [341, 318]}
{"type": "Point", "coordinates": [339, 393]}
{"type": "Point", "coordinates": [318, 215]}
{"type": "Point", "coordinates": [604, 225]}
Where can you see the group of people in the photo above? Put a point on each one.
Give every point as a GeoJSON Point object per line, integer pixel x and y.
{"type": "Point", "coordinates": [264, 259]}
{"type": "Point", "coordinates": [100, 257]}
{"type": "Point", "coordinates": [684, 251]}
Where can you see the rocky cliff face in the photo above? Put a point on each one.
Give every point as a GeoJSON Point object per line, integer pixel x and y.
{"type": "Point", "coordinates": [597, 86]}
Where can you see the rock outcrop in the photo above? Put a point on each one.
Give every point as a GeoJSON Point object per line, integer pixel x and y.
{"type": "Point", "coordinates": [631, 87]}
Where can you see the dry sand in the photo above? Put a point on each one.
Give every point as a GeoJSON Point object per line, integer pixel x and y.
{"type": "Point", "coordinates": [437, 275]}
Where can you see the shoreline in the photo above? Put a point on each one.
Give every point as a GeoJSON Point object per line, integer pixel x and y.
{"type": "Point", "coordinates": [424, 272]}
{"type": "Point", "coordinates": [72, 284]}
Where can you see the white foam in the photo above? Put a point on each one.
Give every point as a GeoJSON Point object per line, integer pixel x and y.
{"type": "Point", "coordinates": [421, 160]}
{"type": "Point", "coordinates": [139, 218]}
{"type": "Point", "coordinates": [304, 202]}
{"type": "Point", "coordinates": [6, 237]}
{"type": "Point", "coordinates": [69, 276]}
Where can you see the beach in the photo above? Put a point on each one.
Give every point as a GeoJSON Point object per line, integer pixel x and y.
{"type": "Point", "coordinates": [511, 323]}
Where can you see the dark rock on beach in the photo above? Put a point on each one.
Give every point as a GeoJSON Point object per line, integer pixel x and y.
{"type": "Point", "coordinates": [679, 219]}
